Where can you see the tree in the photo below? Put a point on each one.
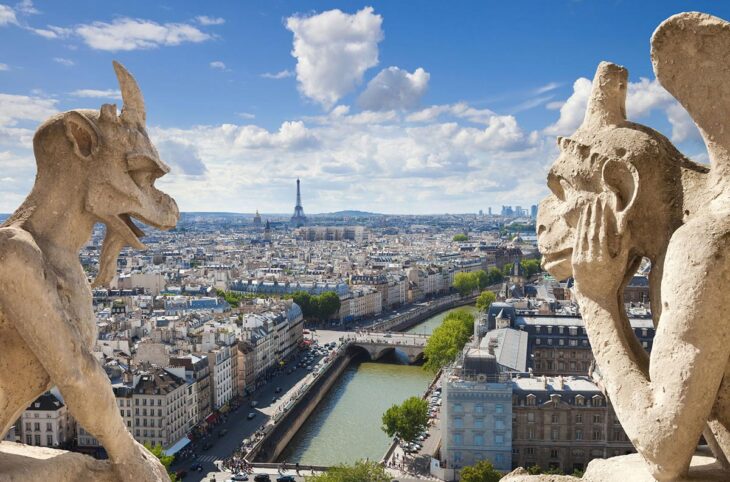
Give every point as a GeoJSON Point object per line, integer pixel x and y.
{"type": "Point", "coordinates": [507, 268]}
{"type": "Point", "coordinates": [328, 303]}
{"type": "Point", "coordinates": [448, 339]}
{"type": "Point", "coordinates": [465, 283]}
{"type": "Point", "coordinates": [407, 420]}
{"type": "Point", "coordinates": [482, 471]}
{"type": "Point", "coordinates": [482, 279]}
{"type": "Point", "coordinates": [461, 237]}
{"type": "Point", "coordinates": [494, 276]}
{"type": "Point", "coordinates": [485, 300]}
{"type": "Point", "coordinates": [360, 472]}
{"type": "Point", "coordinates": [531, 266]}
{"type": "Point", "coordinates": [165, 459]}
{"type": "Point", "coordinates": [304, 300]}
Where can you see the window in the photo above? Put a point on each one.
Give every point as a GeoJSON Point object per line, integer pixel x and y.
{"type": "Point", "coordinates": [457, 439]}
{"type": "Point", "coordinates": [531, 399]}
{"type": "Point", "coordinates": [499, 424]}
{"type": "Point", "coordinates": [597, 401]}
{"type": "Point", "coordinates": [537, 341]}
{"type": "Point", "coordinates": [573, 343]}
{"type": "Point", "coordinates": [479, 409]}
{"type": "Point", "coordinates": [498, 408]}
{"type": "Point", "coordinates": [580, 400]}
{"type": "Point", "coordinates": [555, 434]}
{"type": "Point", "coordinates": [457, 407]}
{"type": "Point", "coordinates": [458, 422]}
{"type": "Point", "coordinates": [29, 439]}
{"type": "Point", "coordinates": [49, 440]}
{"type": "Point", "coordinates": [478, 440]}
{"type": "Point", "coordinates": [37, 427]}
{"type": "Point", "coordinates": [555, 418]}
{"type": "Point", "coordinates": [531, 417]}
{"type": "Point", "coordinates": [49, 427]}
{"type": "Point", "coordinates": [597, 435]}
{"type": "Point", "coordinates": [530, 433]}
{"type": "Point", "coordinates": [499, 459]}
{"type": "Point", "coordinates": [27, 427]}
{"type": "Point", "coordinates": [530, 451]}
{"type": "Point", "coordinates": [499, 439]}
{"type": "Point", "coordinates": [617, 434]}
{"type": "Point", "coordinates": [578, 434]}
{"type": "Point", "coordinates": [515, 451]}
{"type": "Point", "coordinates": [478, 423]}
{"type": "Point", "coordinates": [553, 453]}
{"type": "Point", "coordinates": [549, 365]}
{"type": "Point", "coordinates": [38, 439]}
{"type": "Point", "coordinates": [596, 418]}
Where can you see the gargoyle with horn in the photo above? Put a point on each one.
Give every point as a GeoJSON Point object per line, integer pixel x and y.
{"type": "Point", "coordinates": [93, 166]}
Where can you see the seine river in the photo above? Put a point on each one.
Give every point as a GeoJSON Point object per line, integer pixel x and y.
{"type": "Point", "coordinates": [345, 426]}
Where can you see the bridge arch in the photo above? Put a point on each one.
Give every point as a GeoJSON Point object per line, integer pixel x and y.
{"type": "Point", "coordinates": [355, 350]}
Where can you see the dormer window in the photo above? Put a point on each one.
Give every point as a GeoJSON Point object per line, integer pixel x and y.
{"type": "Point", "coordinates": [531, 399]}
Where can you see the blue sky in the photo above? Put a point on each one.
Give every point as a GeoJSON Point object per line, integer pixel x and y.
{"type": "Point", "coordinates": [397, 107]}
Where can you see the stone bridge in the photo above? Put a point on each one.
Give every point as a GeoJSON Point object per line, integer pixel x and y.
{"type": "Point", "coordinates": [378, 345]}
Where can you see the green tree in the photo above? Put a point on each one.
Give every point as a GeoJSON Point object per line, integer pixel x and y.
{"type": "Point", "coordinates": [361, 471]}
{"type": "Point", "coordinates": [485, 300]}
{"type": "Point", "coordinates": [304, 300]}
{"type": "Point", "coordinates": [406, 420]}
{"type": "Point", "coordinates": [482, 471]}
{"type": "Point", "coordinates": [465, 283]}
{"type": "Point", "coordinates": [448, 339]}
{"type": "Point", "coordinates": [534, 470]}
{"type": "Point", "coordinates": [494, 276]}
{"type": "Point", "coordinates": [461, 237]}
{"type": "Point", "coordinates": [165, 459]}
{"type": "Point", "coordinates": [328, 303]}
{"type": "Point", "coordinates": [531, 266]}
{"type": "Point", "coordinates": [482, 279]}
{"type": "Point", "coordinates": [507, 268]}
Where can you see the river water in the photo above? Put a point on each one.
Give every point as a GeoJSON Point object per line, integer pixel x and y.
{"type": "Point", "coordinates": [346, 424]}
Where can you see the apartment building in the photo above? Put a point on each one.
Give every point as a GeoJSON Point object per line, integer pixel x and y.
{"type": "Point", "coordinates": [47, 422]}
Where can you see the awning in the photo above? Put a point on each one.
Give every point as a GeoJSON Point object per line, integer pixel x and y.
{"type": "Point", "coordinates": [211, 418]}
{"type": "Point", "coordinates": [178, 446]}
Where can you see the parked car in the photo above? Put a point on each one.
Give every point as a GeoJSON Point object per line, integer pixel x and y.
{"type": "Point", "coordinates": [262, 478]}
{"type": "Point", "coordinates": [286, 478]}
{"type": "Point", "coordinates": [240, 477]}
{"type": "Point", "coordinates": [251, 415]}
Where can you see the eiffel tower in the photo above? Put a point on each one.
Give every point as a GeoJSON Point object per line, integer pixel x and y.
{"type": "Point", "coordinates": [299, 219]}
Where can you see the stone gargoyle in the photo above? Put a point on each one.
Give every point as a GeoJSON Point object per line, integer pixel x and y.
{"type": "Point", "coordinates": [93, 166]}
{"type": "Point", "coordinates": [621, 192]}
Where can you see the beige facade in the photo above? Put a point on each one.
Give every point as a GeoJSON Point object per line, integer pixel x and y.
{"type": "Point", "coordinates": [47, 422]}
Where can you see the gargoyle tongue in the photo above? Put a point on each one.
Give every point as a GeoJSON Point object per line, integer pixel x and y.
{"type": "Point", "coordinates": [120, 232]}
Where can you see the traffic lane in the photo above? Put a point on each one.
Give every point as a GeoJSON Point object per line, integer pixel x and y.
{"type": "Point", "coordinates": [239, 426]}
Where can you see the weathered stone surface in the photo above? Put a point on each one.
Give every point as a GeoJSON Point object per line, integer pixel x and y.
{"type": "Point", "coordinates": [22, 463]}
{"type": "Point", "coordinates": [703, 468]}
{"type": "Point", "coordinates": [622, 192]}
{"type": "Point", "coordinates": [93, 166]}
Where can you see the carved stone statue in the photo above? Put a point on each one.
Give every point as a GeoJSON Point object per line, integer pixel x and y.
{"type": "Point", "coordinates": [93, 166]}
{"type": "Point", "coordinates": [620, 192]}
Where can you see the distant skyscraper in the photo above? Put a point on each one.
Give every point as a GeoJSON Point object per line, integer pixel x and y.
{"type": "Point", "coordinates": [257, 219]}
{"type": "Point", "coordinates": [533, 211]}
{"type": "Point", "coordinates": [267, 232]}
{"type": "Point", "coordinates": [299, 219]}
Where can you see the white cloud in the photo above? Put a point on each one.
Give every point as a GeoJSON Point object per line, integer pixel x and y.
{"type": "Point", "coordinates": [182, 155]}
{"type": "Point", "coordinates": [642, 99]}
{"type": "Point", "coordinates": [460, 110]}
{"type": "Point", "coordinates": [376, 161]}
{"type": "Point", "coordinates": [97, 94]}
{"type": "Point", "coordinates": [64, 61]}
{"type": "Point", "coordinates": [394, 88]}
{"type": "Point", "coordinates": [333, 50]}
{"type": "Point", "coordinates": [283, 74]}
{"type": "Point", "coordinates": [133, 34]}
{"type": "Point", "coordinates": [7, 16]}
{"type": "Point", "coordinates": [217, 65]}
{"type": "Point", "coordinates": [15, 108]}
{"type": "Point", "coordinates": [546, 88]}
{"type": "Point", "coordinates": [4, 67]}
{"type": "Point", "coordinates": [555, 105]}
{"type": "Point", "coordinates": [26, 7]}
{"type": "Point", "coordinates": [52, 32]}
{"type": "Point", "coordinates": [573, 110]}
{"type": "Point", "coordinates": [205, 20]}
{"type": "Point", "coordinates": [246, 115]}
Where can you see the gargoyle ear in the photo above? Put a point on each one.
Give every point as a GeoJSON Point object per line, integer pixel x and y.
{"type": "Point", "coordinates": [82, 133]}
{"type": "Point", "coordinates": [621, 179]}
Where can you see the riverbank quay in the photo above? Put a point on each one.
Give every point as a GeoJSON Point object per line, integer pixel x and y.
{"type": "Point", "coordinates": [419, 313]}
{"type": "Point", "coordinates": [285, 423]}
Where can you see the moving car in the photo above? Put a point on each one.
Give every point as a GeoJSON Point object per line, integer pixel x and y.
{"type": "Point", "coordinates": [197, 467]}
{"type": "Point", "coordinates": [262, 478]}
{"type": "Point", "coordinates": [286, 478]}
{"type": "Point", "coordinates": [251, 415]}
{"type": "Point", "coordinates": [240, 477]}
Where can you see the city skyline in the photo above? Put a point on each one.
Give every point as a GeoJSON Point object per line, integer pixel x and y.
{"type": "Point", "coordinates": [421, 118]}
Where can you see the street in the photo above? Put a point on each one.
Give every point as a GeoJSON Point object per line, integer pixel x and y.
{"type": "Point", "coordinates": [238, 425]}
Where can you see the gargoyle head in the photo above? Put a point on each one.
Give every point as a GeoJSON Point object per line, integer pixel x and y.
{"type": "Point", "coordinates": [110, 159]}
{"type": "Point", "coordinates": [632, 169]}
